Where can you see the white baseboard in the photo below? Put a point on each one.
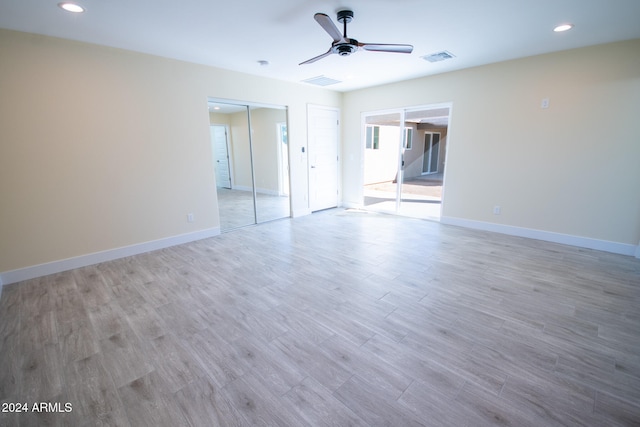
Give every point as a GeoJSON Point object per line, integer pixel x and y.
{"type": "Point", "coordinates": [548, 236]}
{"type": "Point", "coordinates": [32, 272]}
{"type": "Point", "coordinates": [300, 212]}
{"type": "Point", "coordinates": [40, 270]}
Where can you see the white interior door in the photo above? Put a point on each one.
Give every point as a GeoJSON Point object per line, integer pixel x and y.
{"type": "Point", "coordinates": [323, 130]}
{"type": "Point", "coordinates": [221, 155]}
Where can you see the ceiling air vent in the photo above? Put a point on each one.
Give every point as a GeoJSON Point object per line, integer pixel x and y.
{"type": "Point", "coordinates": [321, 81]}
{"type": "Point", "coordinates": [438, 56]}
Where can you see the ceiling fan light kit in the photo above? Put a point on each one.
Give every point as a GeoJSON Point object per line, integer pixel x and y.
{"type": "Point", "coordinates": [345, 46]}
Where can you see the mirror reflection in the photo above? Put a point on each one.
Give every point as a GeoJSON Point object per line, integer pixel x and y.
{"type": "Point", "coordinates": [251, 158]}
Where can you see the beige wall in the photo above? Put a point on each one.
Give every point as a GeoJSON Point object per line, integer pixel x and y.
{"type": "Point", "coordinates": [265, 147]}
{"type": "Point", "coordinates": [102, 148]}
{"type": "Point", "coordinates": [239, 150]}
{"type": "Point", "coordinates": [571, 169]}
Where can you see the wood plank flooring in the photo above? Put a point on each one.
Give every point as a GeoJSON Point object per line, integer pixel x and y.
{"type": "Point", "coordinates": [338, 318]}
{"type": "Point", "coordinates": [236, 208]}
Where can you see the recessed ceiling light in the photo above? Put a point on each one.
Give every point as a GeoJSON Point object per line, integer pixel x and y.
{"type": "Point", "coordinates": [71, 7]}
{"type": "Point", "coordinates": [563, 27]}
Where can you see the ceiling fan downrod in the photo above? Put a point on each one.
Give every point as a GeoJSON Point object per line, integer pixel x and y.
{"type": "Point", "coordinates": [344, 17]}
{"type": "Point", "coordinates": [347, 48]}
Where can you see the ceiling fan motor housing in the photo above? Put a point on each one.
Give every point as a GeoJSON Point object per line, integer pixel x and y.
{"type": "Point", "coordinates": [345, 49]}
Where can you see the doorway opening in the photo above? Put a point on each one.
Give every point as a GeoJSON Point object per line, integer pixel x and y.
{"type": "Point", "coordinates": [251, 161]}
{"type": "Point", "coordinates": [404, 160]}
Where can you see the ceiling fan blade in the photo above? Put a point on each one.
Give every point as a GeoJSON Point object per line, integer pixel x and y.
{"type": "Point", "coordinates": [328, 25]}
{"type": "Point", "coordinates": [309, 61]}
{"type": "Point", "coordinates": [378, 47]}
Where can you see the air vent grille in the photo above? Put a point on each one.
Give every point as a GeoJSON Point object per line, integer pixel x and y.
{"type": "Point", "coordinates": [438, 56]}
{"type": "Point", "coordinates": [321, 81]}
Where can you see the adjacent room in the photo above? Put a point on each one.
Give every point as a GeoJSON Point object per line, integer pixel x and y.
{"type": "Point", "coordinates": [238, 214]}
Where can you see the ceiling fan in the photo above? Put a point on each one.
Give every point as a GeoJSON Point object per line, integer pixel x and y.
{"type": "Point", "coordinates": [343, 45]}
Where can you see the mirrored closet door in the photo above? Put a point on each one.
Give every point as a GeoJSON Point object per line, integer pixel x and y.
{"type": "Point", "coordinates": [251, 161]}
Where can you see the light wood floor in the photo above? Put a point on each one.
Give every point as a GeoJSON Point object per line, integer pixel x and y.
{"type": "Point", "coordinates": [236, 208]}
{"type": "Point", "coordinates": [337, 318]}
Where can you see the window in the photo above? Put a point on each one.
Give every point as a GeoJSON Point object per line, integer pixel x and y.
{"type": "Point", "coordinates": [408, 138]}
{"type": "Point", "coordinates": [373, 137]}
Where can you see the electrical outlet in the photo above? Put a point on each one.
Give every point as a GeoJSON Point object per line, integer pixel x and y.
{"type": "Point", "coordinates": [189, 217]}
{"type": "Point", "coordinates": [497, 210]}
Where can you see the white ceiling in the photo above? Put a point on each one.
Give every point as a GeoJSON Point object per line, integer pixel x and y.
{"type": "Point", "coordinates": [237, 34]}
